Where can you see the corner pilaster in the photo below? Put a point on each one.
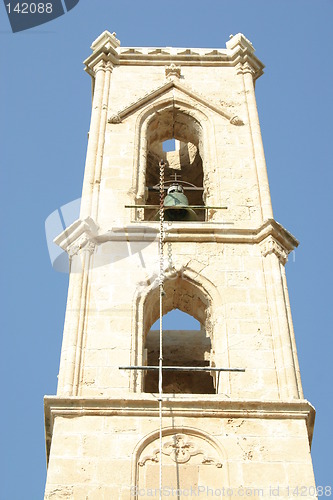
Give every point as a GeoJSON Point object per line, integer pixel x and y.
{"type": "Point", "coordinates": [274, 259]}
{"type": "Point", "coordinates": [79, 242]}
{"type": "Point", "coordinates": [100, 66]}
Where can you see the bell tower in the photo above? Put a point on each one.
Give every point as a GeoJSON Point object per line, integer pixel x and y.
{"type": "Point", "coordinates": [217, 411]}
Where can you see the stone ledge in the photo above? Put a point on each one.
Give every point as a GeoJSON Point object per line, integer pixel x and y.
{"type": "Point", "coordinates": [146, 405]}
{"type": "Point", "coordinates": [86, 234]}
{"type": "Point", "coordinates": [203, 231]}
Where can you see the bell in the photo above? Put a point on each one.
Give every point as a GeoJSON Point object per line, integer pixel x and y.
{"type": "Point", "coordinates": [176, 205]}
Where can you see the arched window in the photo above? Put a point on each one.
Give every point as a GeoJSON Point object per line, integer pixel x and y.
{"type": "Point", "coordinates": [186, 341]}
{"type": "Point", "coordinates": [174, 137]}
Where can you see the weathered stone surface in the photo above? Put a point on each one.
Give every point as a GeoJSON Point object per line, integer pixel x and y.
{"type": "Point", "coordinates": [248, 429]}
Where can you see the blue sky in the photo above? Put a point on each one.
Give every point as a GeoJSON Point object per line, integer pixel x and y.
{"type": "Point", "coordinates": [45, 112]}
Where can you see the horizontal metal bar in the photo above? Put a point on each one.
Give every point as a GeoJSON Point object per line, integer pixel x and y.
{"type": "Point", "coordinates": [177, 207]}
{"type": "Point", "coordinates": [184, 368]}
{"type": "Point", "coordinates": [186, 188]}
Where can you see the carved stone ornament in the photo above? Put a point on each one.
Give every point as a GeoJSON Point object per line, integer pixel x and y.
{"type": "Point", "coordinates": [243, 68]}
{"type": "Point", "coordinates": [270, 245]}
{"type": "Point", "coordinates": [235, 120]}
{"type": "Point", "coordinates": [83, 243]}
{"type": "Point", "coordinates": [109, 66]}
{"type": "Point", "coordinates": [173, 70]}
{"type": "Point", "coordinates": [114, 119]}
{"type": "Point", "coordinates": [180, 449]}
{"type": "Point", "coordinates": [230, 106]}
{"type": "Point", "coordinates": [247, 68]}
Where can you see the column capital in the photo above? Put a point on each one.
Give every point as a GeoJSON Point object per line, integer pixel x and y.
{"type": "Point", "coordinates": [78, 236]}
{"type": "Point", "coordinates": [81, 244]}
{"type": "Point", "coordinates": [242, 53]}
{"type": "Point", "coordinates": [271, 246]}
{"type": "Point", "coordinates": [105, 54]}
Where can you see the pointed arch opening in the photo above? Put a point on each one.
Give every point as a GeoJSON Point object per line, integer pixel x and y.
{"type": "Point", "coordinates": [187, 340]}
{"type": "Point", "coordinates": [184, 163]}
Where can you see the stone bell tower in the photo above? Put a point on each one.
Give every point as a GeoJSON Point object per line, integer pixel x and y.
{"type": "Point", "coordinates": [233, 414]}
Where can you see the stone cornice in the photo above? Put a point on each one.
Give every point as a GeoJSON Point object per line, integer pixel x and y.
{"type": "Point", "coordinates": [104, 49]}
{"type": "Point", "coordinates": [79, 235]}
{"type": "Point", "coordinates": [162, 89]}
{"type": "Point", "coordinates": [191, 406]}
{"type": "Point", "coordinates": [239, 51]}
{"type": "Point", "coordinates": [203, 231]}
{"type": "Point", "coordinates": [86, 234]}
{"type": "Point", "coordinates": [82, 233]}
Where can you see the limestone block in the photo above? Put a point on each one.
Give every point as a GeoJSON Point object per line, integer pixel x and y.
{"type": "Point", "coordinates": [264, 474]}
{"type": "Point", "coordinates": [95, 357]}
{"type": "Point", "coordinates": [69, 446]}
{"type": "Point", "coordinates": [70, 471]}
{"type": "Point", "coordinates": [300, 474]}
{"type": "Point", "coordinates": [91, 423]}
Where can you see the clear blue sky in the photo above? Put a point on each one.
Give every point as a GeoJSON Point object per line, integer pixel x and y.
{"type": "Point", "coordinates": [45, 112]}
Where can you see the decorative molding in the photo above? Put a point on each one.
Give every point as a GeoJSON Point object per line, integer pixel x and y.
{"type": "Point", "coordinates": [81, 235]}
{"type": "Point", "coordinates": [235, 120]}
{"type": "Point", "coordinates": [188, 52]}
{"type": "Point", "coordinates": [115, 119]}
{"type": "Point", "coordinates": [243, 68]}
{"type": "Point", "coordinates": [109, 66]}
{"type": "Point", "coordinates": [173, 71]}
{"type": "Point", "coordinates": [158, 51]}
{"type": "Point", "coordinates": [100, 66]}
{"type": "Point", "coordinates": [132, 51]}
{"type": "Point", "coordinates": [104, 49]}
{"type": "Point", "coordinates": [202, 231]}
{"type": "Point", "coordinates": [82, 243]}
{"type": "Point", "coordinates": [90, 246]}
{"type": "Point", "coordinates": [214, 52]}
{"type": "Point", "coordinates": [272, 236]}
{"type": "Point", "coordinates": [238, 50]}
{"type": "Point", "coordinates": [180, 449]}
{"type": "Point", "coordinates": [230, 106]}
{"type": "Point", "coordinates": [204, 406]}
{"type": "Point", "coordinates": [247, 68]}
{"type": "Point", "coordinates": [242, 55]}
{"type": "Point", "coordinates": [270, 246]}
{"type": "Point", "coordinates": [166, 87]}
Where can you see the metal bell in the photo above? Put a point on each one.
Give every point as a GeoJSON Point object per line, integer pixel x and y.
{"type": "Point", "coordinates": [176, 205]}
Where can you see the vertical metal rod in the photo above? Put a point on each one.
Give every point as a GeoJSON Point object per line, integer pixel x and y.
{"type": "Point", "coordinates": [161, 290]}
{"type": "Point", "coordinates": [160, 387]}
